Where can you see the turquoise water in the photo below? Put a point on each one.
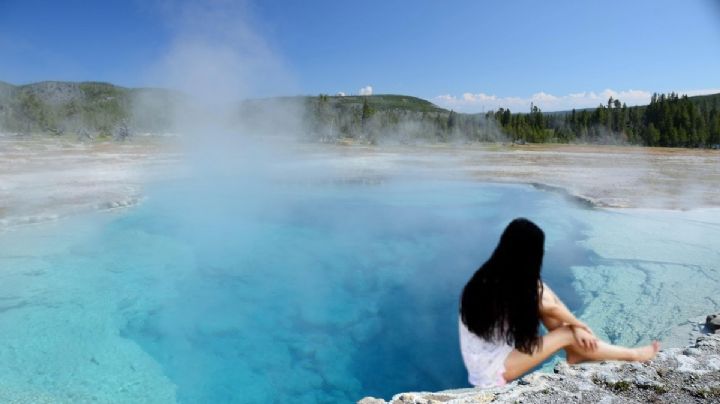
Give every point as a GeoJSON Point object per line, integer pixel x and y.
{"type": "Point", "coordinates": [293, 293]}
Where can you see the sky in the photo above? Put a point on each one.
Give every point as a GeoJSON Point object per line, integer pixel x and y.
{"type": "Point", "coordinates": [470, 56]}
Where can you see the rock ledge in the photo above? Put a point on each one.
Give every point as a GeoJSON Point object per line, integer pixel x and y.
{"type": "Point", "coordinates": [676, 375]}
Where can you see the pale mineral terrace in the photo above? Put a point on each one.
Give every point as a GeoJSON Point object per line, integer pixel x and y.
{"type": "Point", "coordinates": [42, 178]}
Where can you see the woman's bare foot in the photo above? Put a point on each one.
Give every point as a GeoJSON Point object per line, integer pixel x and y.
{"type": "Point", "coordinates": [647, 352]}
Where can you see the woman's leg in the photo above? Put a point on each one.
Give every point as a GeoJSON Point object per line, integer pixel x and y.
{"type": "Point", "coordinates": [572, 355]}
{"type": "Point", "coordinates": [518, 363]}
{"type": "Point", "coordinates": [609, 352]}
{"type": "Point", "coordinates": [604, 351]}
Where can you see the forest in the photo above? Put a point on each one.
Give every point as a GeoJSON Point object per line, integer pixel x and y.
{"type": "Point", "coordinates": [669, 120]}
{"type": "Point", "coordinates": [92, 110]}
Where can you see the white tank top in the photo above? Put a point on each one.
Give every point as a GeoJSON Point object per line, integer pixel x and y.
{"type": "Point", "coordinates": [484, 360]}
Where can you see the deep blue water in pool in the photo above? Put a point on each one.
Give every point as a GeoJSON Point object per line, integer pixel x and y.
{"type": "Point", "coordinates": [331, 293]}
{"type": "Point", "coordinates": [303, 293]}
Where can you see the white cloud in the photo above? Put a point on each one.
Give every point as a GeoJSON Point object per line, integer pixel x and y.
{"type": "Point", "coordinates": [691, 93]}
{"type": "Point", "coordinates": [367, 90]}
{"type": "Point", "coordinates": [477, 102]}
{"type": "Point", "coordinates": [340, 94]}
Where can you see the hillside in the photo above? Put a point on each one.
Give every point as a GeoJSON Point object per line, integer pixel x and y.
{"type": "Point", "coordinates": [92, 109]}
{"type": "Point", "coordinates": [705, 100]}
{"type": "Point", "coordinates": [708, 100]}
{"type": "Point", "coordinates": [58, 107]}
{"type": "Point", "coordinates": [97, 108]}
{"type": "Point", "coordinates": [388, 101]}
{"type": "Point", "coordinates": [391, 119]}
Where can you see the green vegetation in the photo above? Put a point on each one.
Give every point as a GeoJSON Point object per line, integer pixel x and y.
{"type": "Point", "coordinates": [391, 118]}
{"type": "Point", "coordinates": [707, 392]}
{"type": "Point", "coordinates": [622, 385]}
{"type": "Point", "coordinates": [92, 110]}
{"type": "Point", "coordinates": [88, 110]}
{"type": "Point", "coordinates": [670, 120]}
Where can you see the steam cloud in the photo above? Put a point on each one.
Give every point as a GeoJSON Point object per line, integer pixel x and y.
{"type": "Point", "coordinates": [218, 59]}
{"type": "Point", "coordinates": [367, 90]}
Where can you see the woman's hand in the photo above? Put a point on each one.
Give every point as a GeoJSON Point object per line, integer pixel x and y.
{"type": "Point", "coordinates": [585, 338]}
{"type": "Point", "coordinates": [583, 326]}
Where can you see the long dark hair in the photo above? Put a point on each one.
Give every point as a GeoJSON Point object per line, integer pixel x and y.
{"type": "Point", "coordinates": [501, 300]}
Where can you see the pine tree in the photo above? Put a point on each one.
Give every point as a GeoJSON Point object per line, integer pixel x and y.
{"type": "Point", "coordinates": [451, 121]}
{"type": "Point", "coordinates": [506, 117]}
{"type": "Point", "coordinates": [367, 112]}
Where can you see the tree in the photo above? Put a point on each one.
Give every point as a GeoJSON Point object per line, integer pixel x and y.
{"type": "Point", "coordinates": [121, 133]}
{"type": "Point", "coordinates": [84, 135]}
{"type": "Point", "coordinates": [714, 129]}
{"type": "Point", "coordinates": [653, 135]}
{"type": "Point", "coordinates": [506, 117]}
{"type": "Point", "coordinates": [367, 112]}
{"type": "Point", "coordinates": [451, 121]}
{"type": "Point", "coordinates": [34, 112]}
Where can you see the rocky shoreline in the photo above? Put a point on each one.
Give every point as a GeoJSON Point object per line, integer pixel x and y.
{"type": "Point", "coordinates": [676, 375]}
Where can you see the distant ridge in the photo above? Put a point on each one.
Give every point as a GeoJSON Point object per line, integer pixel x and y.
{"type": "Point", "coordinates": [60, 106]}
{"type": "Point", "coordinates": [697, 100]}
{"type": "Point", "coordinates": [99, 109]}
{"type": "Point", "coordinates": [47, 91]}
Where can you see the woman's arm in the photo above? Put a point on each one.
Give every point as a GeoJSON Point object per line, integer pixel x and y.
{"type": "Point", "coordinates": [552, 306]}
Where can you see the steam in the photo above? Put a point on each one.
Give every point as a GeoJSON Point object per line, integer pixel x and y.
{"type": "Point", "coordinates": [216, 61]}
{"type": "Point", "coordinates": [411, 128]}
{"type": "Point", "coordinates": [238, 155]}
{"type": "Point", "coordinates": [367, 90]}
{"type": "Point", "coordinates": [217, 55]}
{"type": "Point", "coordinates": [236, 152]}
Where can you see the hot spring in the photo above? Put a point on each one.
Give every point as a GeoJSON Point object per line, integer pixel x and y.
{"type": "Point", "coordinates": [323, 291]}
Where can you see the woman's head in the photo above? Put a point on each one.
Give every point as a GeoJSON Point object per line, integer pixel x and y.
{"type": "Point", "coordinates": [502, 298]}
{"type": "Point", "coordinates": [520, 251]}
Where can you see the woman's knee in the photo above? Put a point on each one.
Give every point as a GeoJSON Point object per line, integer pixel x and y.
{"type": "Point", "coordinates": [550, 322]}
{"type": "Point", "coordinates": [560, 337]}
{"type": "Point", "coordinates": [518, 362]}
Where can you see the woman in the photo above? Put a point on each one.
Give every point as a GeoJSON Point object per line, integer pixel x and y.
{"type": "Point", "coordinates": [501, 309]}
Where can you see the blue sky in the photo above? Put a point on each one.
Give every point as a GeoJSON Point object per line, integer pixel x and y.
{"type": "Point", "coordinates": [467, 55]}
